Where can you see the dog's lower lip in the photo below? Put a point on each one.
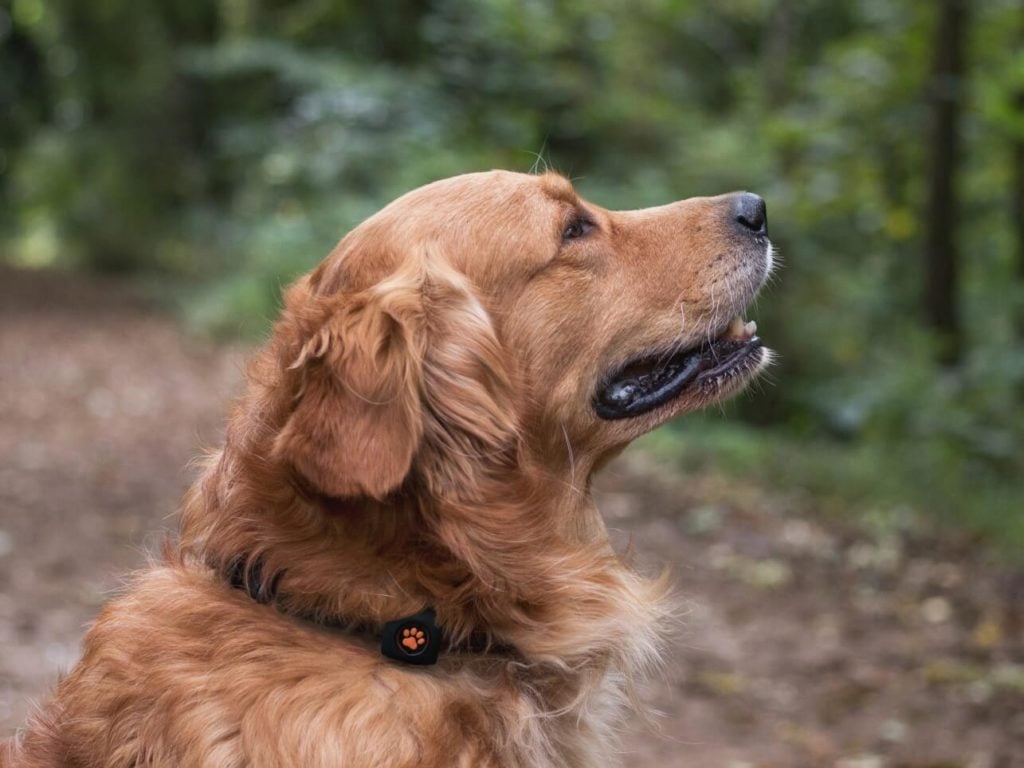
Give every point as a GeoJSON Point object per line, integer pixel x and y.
{"type": "Point", "coordinates": [646, 384]}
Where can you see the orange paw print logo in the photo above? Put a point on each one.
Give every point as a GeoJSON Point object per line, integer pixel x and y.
{"type": "Point", "coordinates": [413, 640]}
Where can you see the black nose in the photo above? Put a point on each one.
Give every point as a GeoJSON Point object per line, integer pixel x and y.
{"type": "Point", "coordinates": [751, 213]}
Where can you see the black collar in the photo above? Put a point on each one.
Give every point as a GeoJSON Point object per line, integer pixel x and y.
{"type": "Point", "coordinates": [415, 639]}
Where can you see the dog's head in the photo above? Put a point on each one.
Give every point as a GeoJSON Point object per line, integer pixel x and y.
{"type": "Point", "coordinates": [498, 318]}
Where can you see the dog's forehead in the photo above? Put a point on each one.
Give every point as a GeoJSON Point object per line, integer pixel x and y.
{"type": "Point", "coordinates": [471, 219]}
{"type": "Point", "coordinates": [476, 192]}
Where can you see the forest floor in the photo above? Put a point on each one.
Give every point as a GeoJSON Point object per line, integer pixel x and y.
{"type": "Point", "coordinates": [805, 641]}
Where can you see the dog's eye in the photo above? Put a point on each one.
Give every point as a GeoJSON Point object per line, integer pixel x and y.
{"type": "Point", "coordinates": [578, 227]}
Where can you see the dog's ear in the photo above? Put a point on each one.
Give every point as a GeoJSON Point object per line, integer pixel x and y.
{"type": "Point", "coordinates": [469, 423]}
{"type": "Point", "coordinates": [408, 367]}
{"type": "Point", "coordinates": [355, 373]}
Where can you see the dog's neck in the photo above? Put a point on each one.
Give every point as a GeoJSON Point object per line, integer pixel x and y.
{"type": "Point", "coordinates": [524, 559]}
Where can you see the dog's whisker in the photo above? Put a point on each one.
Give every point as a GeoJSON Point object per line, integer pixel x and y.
{"type": "Point", "coordinates": [572, 460]}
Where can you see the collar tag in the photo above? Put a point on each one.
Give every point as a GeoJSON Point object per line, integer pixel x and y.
{"type": "Point", "coordinates": [413, 639]}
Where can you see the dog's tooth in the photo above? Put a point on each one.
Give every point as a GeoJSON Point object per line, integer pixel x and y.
{"type": "Point", "coordinates": [750, 328]}
{"type": "Point", "coordinates": [735, 328]}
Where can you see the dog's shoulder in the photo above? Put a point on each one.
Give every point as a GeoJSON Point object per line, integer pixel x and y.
{"type": "Point", "coordinates": [182, 669]}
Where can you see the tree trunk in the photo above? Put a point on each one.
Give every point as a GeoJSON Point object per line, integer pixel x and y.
{"type": "Point", "coordinates": [775, 55]}
{"type": "Point", "coordinates": [1017, 214]}
{"type": "Point", "coordinates": [1016, 158]}
{"type": "Point", "coordinates": [940, 297]}
{"type": "Point", "coordinates": [1017, 191]}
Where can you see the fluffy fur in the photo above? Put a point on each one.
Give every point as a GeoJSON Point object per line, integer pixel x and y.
{"type": "Point", "coordinates": [418, 431]}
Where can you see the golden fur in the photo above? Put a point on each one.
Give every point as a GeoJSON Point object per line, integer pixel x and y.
{"type": "Point", "coordinates": [418, 431]}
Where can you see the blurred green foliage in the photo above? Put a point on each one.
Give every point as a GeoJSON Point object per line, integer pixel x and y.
{"type": "Point", "coordinates": [219, 148]}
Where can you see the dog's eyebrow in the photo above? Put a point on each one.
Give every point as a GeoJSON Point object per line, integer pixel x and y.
{"type": "Point", "coordinates": [559, 188]}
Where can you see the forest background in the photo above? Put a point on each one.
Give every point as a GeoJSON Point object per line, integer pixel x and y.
{"type": "Point", "coordinates": [210, 151]}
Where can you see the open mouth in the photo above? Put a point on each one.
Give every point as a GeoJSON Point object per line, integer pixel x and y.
{"type": "Point", "coordinates": [649, 382]}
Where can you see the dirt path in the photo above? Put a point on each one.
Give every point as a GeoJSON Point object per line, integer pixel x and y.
{"type": "Point", "coordinates": [805, 642]}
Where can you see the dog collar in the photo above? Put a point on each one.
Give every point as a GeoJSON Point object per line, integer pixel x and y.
{"type": "Point", "coordinates": [414, 639]}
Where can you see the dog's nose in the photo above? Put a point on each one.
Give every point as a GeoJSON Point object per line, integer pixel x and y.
{"type": "Point", "coordinates": [751, 213]}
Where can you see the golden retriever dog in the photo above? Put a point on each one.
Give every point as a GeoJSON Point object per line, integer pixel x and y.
{"type": "Point", "coordinates": [395, 559]}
